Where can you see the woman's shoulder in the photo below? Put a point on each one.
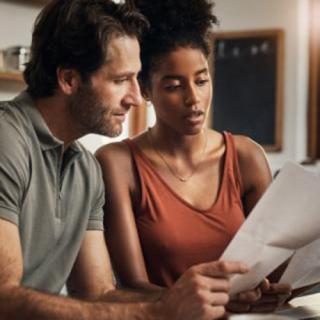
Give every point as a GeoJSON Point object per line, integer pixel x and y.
{"type": "Point", "coordinates": [253, 163]}
{"type": "Point", "coordinates": [116, 164]}
{"type": "Point", "coordinates": [141, 140]}
{"type": "Point", "coordinates": [118, 155]}
{"type": "Point", "coordinates": [113, 151]}
{"type": "Point", "coordinates": [114, 159]}
{"type": "Point", "coordinates": [248, 149]}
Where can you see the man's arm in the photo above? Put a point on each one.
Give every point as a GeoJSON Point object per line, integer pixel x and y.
{"type": "Point", "coordinates": [91, 277]}
{"type": "Point", "coordinates": [18, 302]}
{"type": "Point", "coordinates": [201, 293]}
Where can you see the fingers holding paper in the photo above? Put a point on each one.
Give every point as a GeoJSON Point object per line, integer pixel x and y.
{"type": "Point", "coordinates": [202, 291]}
{"type": "Point", "coordinates": [273, 296]}
{"type": "Point", "coordinates": [267, 297]}
{"type": "Point", "coordinates": [243, 301]}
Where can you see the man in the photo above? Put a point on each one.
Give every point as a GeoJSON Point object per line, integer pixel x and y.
{"type": "Point", "coordinates": [82, 78]}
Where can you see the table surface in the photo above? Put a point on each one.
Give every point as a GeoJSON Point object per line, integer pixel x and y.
{"type": "Point", "coordinates": [305, 307]}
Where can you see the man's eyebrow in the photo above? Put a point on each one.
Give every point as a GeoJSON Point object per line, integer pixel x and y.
{"type": "Point", "coordinates": [179, 77]}
{"type": "Point", "coordinates": [125, 74]}
{"type": "Point", "coordinates": [204, 70]}
{"type": "Point", "coordinates": [122, 74]}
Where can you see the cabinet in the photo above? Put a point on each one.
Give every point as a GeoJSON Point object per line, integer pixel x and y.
{"type": "Point", "coordinates": [11, 76]}
{"type": "Point", "coordinates": [314, 84]}
{"type": "Point", "coordinates": [24, 13]}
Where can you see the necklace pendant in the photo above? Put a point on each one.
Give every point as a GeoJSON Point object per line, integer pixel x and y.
{"type": "Point", "coordinates": [183, 179]}
{"type": "Point", "coordinates": [173, 172]}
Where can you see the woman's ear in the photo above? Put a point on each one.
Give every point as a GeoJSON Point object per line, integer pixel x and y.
{"type": "Point", "coordinates": [68, 80]}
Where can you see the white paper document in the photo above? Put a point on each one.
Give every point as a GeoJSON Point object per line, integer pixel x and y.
{"type": "Point", "coordinates": [304, 267]}
{"type": "Point", "coordinates": [285, 219]}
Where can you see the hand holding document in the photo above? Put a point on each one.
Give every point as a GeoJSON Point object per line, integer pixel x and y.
{"type": "Point", "coordinates": [286, 218]}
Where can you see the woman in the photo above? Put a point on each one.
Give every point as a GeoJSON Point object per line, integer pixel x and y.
{"type": "Point", "coordinates": [178, 193]}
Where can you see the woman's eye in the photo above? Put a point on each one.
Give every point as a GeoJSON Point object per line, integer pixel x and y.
{"type": "Point", "coordinates": [172, 88]}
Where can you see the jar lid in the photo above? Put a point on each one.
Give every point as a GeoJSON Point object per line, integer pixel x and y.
{"type": "Point", "coordinates": [17, 50]}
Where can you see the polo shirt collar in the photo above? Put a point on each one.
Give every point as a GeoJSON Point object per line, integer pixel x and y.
{"type": "Point", "coordinates": [47, 140]}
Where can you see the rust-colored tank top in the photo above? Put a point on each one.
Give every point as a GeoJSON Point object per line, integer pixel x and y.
{"type": "Point", "coordinates": [174, 235]}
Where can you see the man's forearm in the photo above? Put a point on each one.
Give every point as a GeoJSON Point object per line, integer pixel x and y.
{"type": "Point", "coordinates": [22, 303]}
{"type": "Point", "coordinates": [133, 296]}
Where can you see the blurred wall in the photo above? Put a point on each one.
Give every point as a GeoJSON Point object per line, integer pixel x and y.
{"type": "Point", "coordinates": [16, 20]}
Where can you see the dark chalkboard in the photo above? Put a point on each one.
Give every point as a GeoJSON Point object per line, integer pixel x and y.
{"type": "Point", "coordinates": [248, 85]}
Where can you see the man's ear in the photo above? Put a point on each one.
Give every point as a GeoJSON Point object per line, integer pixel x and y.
{"type": "Point", "coordinates": [68, 80]}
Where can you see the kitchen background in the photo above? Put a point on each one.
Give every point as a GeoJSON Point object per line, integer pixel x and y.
{"type": "Point", "coordinates": [292, 16]}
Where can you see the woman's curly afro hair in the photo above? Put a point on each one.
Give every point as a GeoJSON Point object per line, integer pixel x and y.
{"type": "Point", "coordinates": [173, 24]}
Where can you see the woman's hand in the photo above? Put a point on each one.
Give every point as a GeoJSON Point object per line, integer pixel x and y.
{"type": "Point", "coordinates": [273, 295]}
{"type": "Point", "coordinates": [267, 297]}
{"type": "Point", "coordinates": [243, 302]}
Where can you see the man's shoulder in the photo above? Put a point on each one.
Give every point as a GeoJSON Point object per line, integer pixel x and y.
{"type": "Point", "coordinates": [87, 155]}
{"type": "Point", "coordinates": [15, 151]}
{"type": "Point", "coordinates": [7, 111]}
{"type": "Point", "coordinates": [88, 162]}
{"type": "Point", "coordinates": [13, 128]}
{"type": "Point", "coordinates": [12, 118]}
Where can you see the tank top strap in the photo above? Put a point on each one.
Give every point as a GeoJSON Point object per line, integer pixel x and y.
{"type": "Point", "coordinates": [130, 144]}
{"type": "Point", "coordinates": [138, 164]}
{"type": "Point", "coordinates": [135, 151]}
{"type": "Point", "coordinates": [232, 161]}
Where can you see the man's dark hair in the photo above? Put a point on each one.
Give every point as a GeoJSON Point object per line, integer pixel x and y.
{"type": "Point", "coordinates": [173, 24]}
{"type": "Point", "coordinates": [75, 34]}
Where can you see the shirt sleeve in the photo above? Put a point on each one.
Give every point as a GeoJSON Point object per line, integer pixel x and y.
{"type": "Point", "coordinates": [97, 213]}
{"type": "Point", "coordinates": [13, 170]}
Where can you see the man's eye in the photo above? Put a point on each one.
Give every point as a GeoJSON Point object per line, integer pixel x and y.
{"type": "Point", "coordinates": [202, 82]}
{"type": "Point", "coordinates": [120, 80]}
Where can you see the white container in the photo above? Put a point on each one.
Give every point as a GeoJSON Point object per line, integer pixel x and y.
{"type": "Point", "coordinates": [14, 58]}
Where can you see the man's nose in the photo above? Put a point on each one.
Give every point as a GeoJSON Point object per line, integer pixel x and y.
{"type": "Point", "coordinates": [134, 97]}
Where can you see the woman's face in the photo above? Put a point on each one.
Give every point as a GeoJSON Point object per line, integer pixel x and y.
{"type": "Point", "coordinates": [181, 90]}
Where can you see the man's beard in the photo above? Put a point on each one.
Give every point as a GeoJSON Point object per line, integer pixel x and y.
{"type": "Point", "coordinates": [90, 114]}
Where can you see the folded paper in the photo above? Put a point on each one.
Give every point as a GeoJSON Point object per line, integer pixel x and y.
{"type": "Point", "coordinates": [286, 219]}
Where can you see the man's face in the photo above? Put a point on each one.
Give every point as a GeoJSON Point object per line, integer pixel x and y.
{"type": "Point", "coordinates": [101, 105]}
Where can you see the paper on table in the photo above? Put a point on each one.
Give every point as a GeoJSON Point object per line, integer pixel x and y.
{"type": "Point", "coordinates": [304, 267]}
{"type": "Point", "coordinates": [285, 219]}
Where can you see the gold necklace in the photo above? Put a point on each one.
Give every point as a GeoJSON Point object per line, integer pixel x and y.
{"type": "Point", "coordinates": [162, 157]}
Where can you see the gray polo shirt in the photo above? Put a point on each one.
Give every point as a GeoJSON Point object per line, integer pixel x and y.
{"type": "Point", "coordinates": [52, 197]}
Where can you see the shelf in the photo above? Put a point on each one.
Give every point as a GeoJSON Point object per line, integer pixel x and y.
{"type": "Point", "coordinates": [29, 2]}
{"type": "Point", "coordinates": [11, 76]}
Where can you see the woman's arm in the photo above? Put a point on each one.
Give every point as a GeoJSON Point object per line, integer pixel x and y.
{"type": "Point", "coordinates": [254, 169]}
{"type": "Point", "coordinates": [121, 185]}
{"type": "Point", "coordinates": [256, 177]}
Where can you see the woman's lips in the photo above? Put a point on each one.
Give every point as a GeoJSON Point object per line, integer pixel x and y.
{"type": "Point", "coordinates": [195, 117]}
